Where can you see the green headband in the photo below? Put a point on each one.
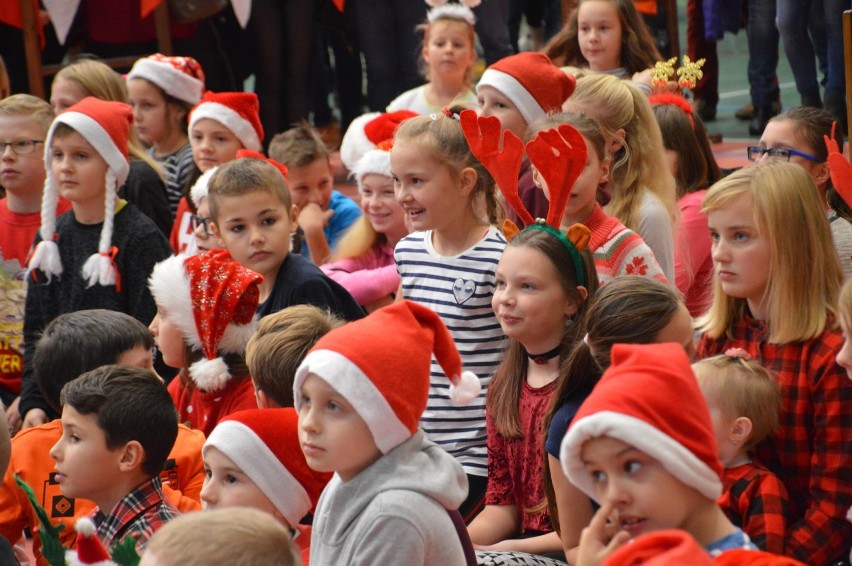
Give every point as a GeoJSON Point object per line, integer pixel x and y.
{"type": "Point", "coordinates": [569, 245]}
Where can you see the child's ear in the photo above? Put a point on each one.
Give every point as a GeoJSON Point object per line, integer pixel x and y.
{"type": "Point", "coordinates": [605, 167]}
{"type": "Point", "coordinates": [132, 456]}
{"type": "Point", "coordinates": [294, 218]}
{"type": "Point", "coordinates": [468, 179]}
{"type": "Point", "coordinates": [261, 398]}
{"type": "Point", "coordinates": [740, 430]}
{"type": "Point", "coordinates": [214, 229]}
{"type": "Point", "coordinates": [821, 173]}
{"type": "Point", "coordinates": [572, 307]}
{"type": "Point", "coordinates": [617, 142]}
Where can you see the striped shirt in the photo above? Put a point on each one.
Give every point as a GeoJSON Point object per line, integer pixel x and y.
{"type": "Point", "coordinates": [177, 167]}
{"type": "Point", "coordinates": [459, 289]}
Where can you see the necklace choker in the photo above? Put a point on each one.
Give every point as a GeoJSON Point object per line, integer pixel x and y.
{"type": "Point", "coordinates": [542, 359]}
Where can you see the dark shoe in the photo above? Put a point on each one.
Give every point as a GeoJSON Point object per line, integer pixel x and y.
{"type": "Point", "coordinates": [759, 119]}
{"type": "Point", "coordinates": [835, 104]}
{"type": "Point", "coordinates": [745, 111]}
{"type": "Point", "coordinates": [812, 100]}
{"type": "Point", "coordinates": [704, 109]}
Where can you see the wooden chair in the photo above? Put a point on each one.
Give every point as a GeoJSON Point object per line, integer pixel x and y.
{"type": "Point", "coordinates": [847, 59]}
{"type": "Point", "coordinates": [36, 72]}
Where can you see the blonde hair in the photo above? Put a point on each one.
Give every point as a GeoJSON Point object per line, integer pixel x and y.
{"type": "Point", "coordinates": [281, 343]}
{"type": "Point", "coordinates": [742, 388]}
{"type": "Point", "coordinates": [99, 80]}
{"type": "Point", "coordinates": [446, 16]}
{"type": "Point", "coordinates": [28, 106]}
{"type": "Point", "coordinates": [245, 176]}
{"type": "Point", "coordinates": [804, 270]}
{"type": "Point", "coordinates": [844, 302]}
{"type": "Point", "coordinates": [640, 164]}
{"type": "Point", "coordinates": [441, 137]}
{"type": "Point", "coordinates": [238, 536]}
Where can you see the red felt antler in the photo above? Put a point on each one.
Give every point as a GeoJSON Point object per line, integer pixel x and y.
{"type": "Point", "coordinates": [502, 161]}
{"type": "Point", "coordinates": [560, 156]}
{"type": "Point", "coordinates": [841, 170]}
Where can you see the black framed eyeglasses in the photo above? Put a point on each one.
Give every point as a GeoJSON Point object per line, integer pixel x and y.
{"type": "Point", "coordinates": [756, 152]}
{"type": "Point", "coordinates": [196, 221]}
{"type": "Point", "coordinates": [20, 147]}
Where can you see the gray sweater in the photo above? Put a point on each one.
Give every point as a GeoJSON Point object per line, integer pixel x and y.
{"type": "Point", "coordinates": [394, 512]}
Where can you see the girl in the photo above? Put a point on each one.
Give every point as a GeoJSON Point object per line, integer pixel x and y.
{"type": "Point", "coordinates": [543, 282]}
{"type": "Point", "coordinates": [145, 186]}
{"type": "Point", "coordinates": [202, 239]}
{"type": "Point", "coordinates": [694, 168]}
{"type": "Point", "coordinates": [206, 307]}
{"type": "Point", "coordinates": [627, 310]}
{"type": "Point", "coordinates": [448, 264]}
{"type": "Point", "coordinates": [616, 249]}
{"type": "Point", "coordinates": [761, 275]}
{"type": "Point", "coordinates": [802, 130]}
{"type": "Point", "coordinates": [643, 192]}
{"type": "Point", "coordinates": [606, 36]}
{"type": "Point", "coordinates": [364, 263]}
{"type": "Point", "coordinates": [161, 90]}
{"type": "Point", "coordinates": [446, 62]}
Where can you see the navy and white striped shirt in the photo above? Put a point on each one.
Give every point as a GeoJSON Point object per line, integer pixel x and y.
{"type": "Point", "coordinates": [177, 167]}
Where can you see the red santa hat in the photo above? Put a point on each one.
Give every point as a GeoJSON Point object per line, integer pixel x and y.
{"type": "Point", "coordinates": [264, 443]}
{"type": "Point", "coordinates": [531, 81]}
{"type": "Point", "coordinates": [388, 386]}
{"type": "Point", "coordinates": [212, 300]}
{"type": "Point", "coordinates": [670, 547]}
{"type": "Point", "coordinates": [648, 398]}
{"type": "Point", "coordinates": [106, 126]}
{"type": "Point", "coordinates": [179, 77]}
{"type": "Point", "coordinates": [368, 131]}
{"type": "Point", "coordinates": [237, 111]}
{"type": "Point", "coordinates": [90, 550]}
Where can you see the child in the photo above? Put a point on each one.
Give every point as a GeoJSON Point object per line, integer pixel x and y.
{"type": "Point", "coordinates": [118, 426]}
{"type": "Point", "coordinates": [254, 459]}
{"type": "Point", "coordinates": [252, 215]}
{"type": "Point", "coordinates": [145, 186]}
{"type": "Point", "coordinates": [447, 58]}
{"type": "Point", "coordinates": [649, 463]}
{"type": "Point", "coordinates": [206, 307]}
{"type": "Point", "coordinates": [544, 280]}
{"type": "Point", "coordinates": [642, 190]}
{"type": "Point", "coordinates": [104, 239]}
{"type": "Point", "coordinates": [393, 489]}
{"type": "Point", "coordinates": [692, 164]}
{"type": "Point", "coordinates": [363, 263]}
{"type": "Point", "coordinates": [201, 238]}
{"type": "Point", "coordinates": [162, 90]}
{"type": "Point", "coordinates": [519, 90]}
{"type": "Point", "coordinates": [448, 264]}
{"type": "Point", "coordinates": [759, 275]}
{"type": "Point", "coordinates": [797, 136]}
{"type": "Point", "coordinates": [606, 36]}
{"type": "Point", "coordinates": [745, 406]}
{"type": "Point", "coordinates": [228, 536]}
{"type": "Point", "coordinates": [24, 121]}
{"type": "Point", "coordinates": [72, 344]}
{"type": "Point", "coordinates": [323, 213]}
{"type": "Point", "coordinates": [626, 310]}
{"type": "Point", "coordinates": [219, 126]}
{"type": "Point", "coordinates": [278, 347]}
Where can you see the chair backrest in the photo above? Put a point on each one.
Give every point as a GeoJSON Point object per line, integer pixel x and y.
{"type": "Point", "coordinates": [464, 538]}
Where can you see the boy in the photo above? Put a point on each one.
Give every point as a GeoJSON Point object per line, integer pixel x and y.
{"type": "Point", "coordinates": [252, 214]}
{"type": "Point", "coordinates": [360, 394]}
{"type": "Point", "coordinates": [118, 426]}
{"type": "Point", "coordinates": [228, 536]}
{"type": "Point", "coordinates": [100, 254]}
{"type": "Point", "coordinates": [642, 445]}
{"type": "Point", "coordinates": [259, 448]}
{"type": "Point", "coordinates": [278, 347]}
{"type": "Point", "coordinates": [24, 121]}
{"type": "Point", "coordinates": [74, 343]}
{"type": "Point", "coordinates": [323, 213]}
{"type": "Point", "coordinates": [745, 407]}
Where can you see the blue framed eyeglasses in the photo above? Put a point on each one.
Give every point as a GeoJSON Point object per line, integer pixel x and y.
{"type": "Point", "coordinates": [756, 152]}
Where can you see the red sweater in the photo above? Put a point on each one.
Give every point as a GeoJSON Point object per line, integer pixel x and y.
{"type": "Point", "coordinates": [204, 409]}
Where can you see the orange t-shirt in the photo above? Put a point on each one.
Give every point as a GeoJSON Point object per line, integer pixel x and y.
{"type": "Point", "coordinates": [182, 479]}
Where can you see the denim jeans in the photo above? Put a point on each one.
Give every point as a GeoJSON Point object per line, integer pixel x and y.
{"type": "Point", "coordinates": [762, 51]}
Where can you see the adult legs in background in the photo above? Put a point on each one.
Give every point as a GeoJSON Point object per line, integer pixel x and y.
{"type": "Point", "coordinates": [698, 46]}
{"type": "Point", "coordinates": [762, 61]}
{"type": "Point", "coordinates": [492, 28]}
{"type": "Point", "coordinates": [835, 86]}
{"type": "Point", "coordinates": [793, 18]}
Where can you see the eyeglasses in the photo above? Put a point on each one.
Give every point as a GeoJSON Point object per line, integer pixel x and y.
{"type": "Point", "coordinates": [756, 152]}
{"type": "Point", "coordinates": [196, 221]}
{"type": "Point", "coordinates": [20, 147]}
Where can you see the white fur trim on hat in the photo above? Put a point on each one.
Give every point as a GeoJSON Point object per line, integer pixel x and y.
{"type": "Point", "coordinates": [201, 188]}
{"type": "Point", "coordinates": [374, 162]}
{"type": "Point", "coordinates": [173, 81]}
{"type": "Point", "coordinates": [674, 456]}
{"type": "Point", "coordinates": [465, 389]}
{"type": "Point", "coordinates": [509, 86]}
{"type": "Point", "coordinates": [355, 143]}
{"type": "Point", "coordinates": [96, 135]}
{"type": "Point", "coordinates": [242, 445]}
{"type": "Point", "coordinates": [229, 118]}
{"type": "Point", "coordinates": [357, 388]}
{"type": "Point", "coordinates": [451, 12]}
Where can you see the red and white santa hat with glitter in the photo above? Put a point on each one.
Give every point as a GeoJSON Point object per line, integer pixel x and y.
{"type": "Point", "coordinates": [237, 111]}
{"type": "Point", "coordinates": [531, 81]}
{"type": "Point", "coordinates": [106, 126]}
{"type": "Point", "coordinates": [90, 551]}
{"type": "Point", "coordinates": [388, 386]}
{"type": "Point", "coordinates": [648, 398]}
{"type": "Point", "coordinates": [363, 136]}
{"type": "Point", "coordinates": [212, 300]}
{"type": "Point", "coordinates": [179, 77]}
{"type": "Point", "coordinates": [264, 443]}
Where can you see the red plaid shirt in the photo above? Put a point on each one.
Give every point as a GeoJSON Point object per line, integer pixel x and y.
{"type": "Point", "coordinates": [141, 513]}
{"type": "Point", "coordinates": [812, 450]}
{"type": "Point", "coordinates": [755, 500]}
